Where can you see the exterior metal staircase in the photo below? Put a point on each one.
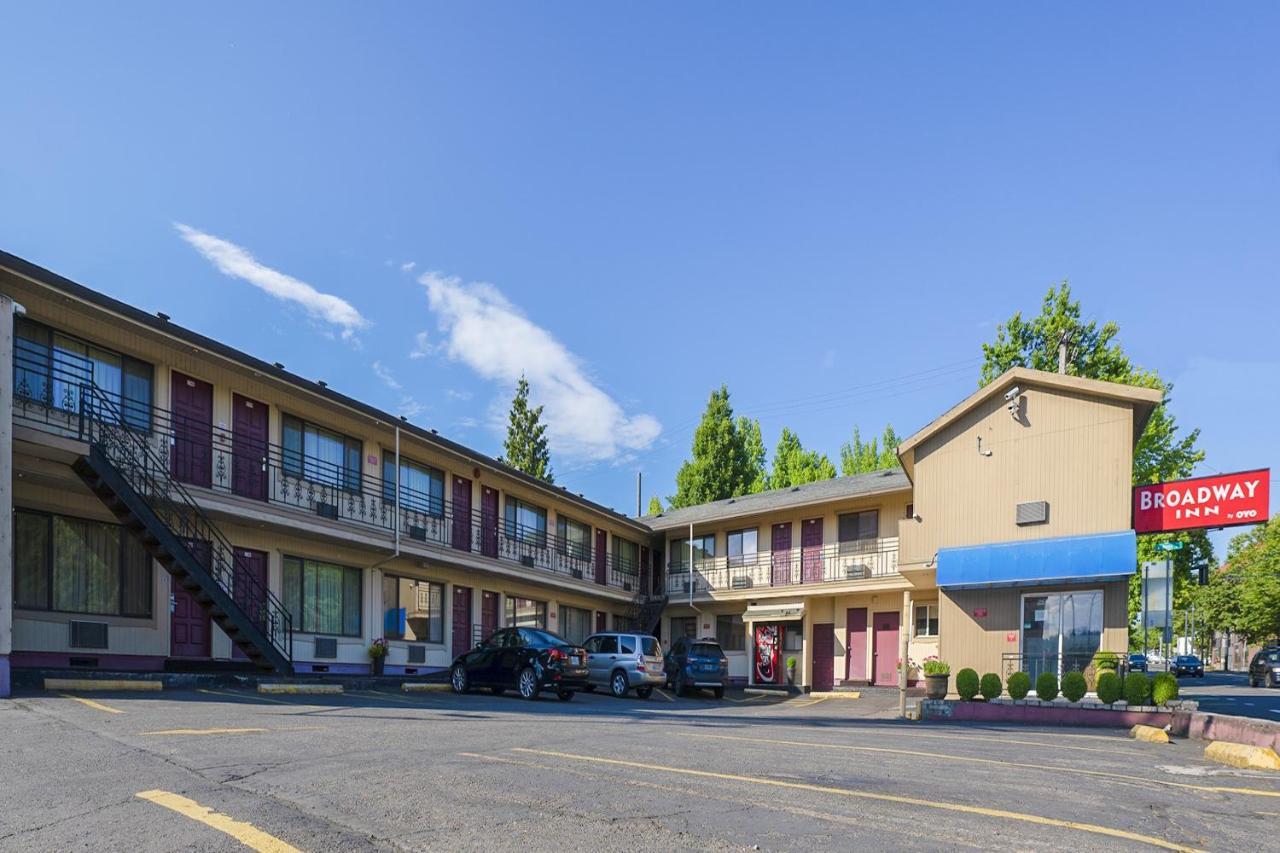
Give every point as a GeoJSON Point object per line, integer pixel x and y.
{"type": "Point", "coordinates": [646, 612]}
{"type": "Point", "coordinates": [135, 484]}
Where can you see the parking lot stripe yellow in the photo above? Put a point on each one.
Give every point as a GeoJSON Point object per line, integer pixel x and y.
{"type": "Point", "coordinates": [1053, 768]}
{"type": "Point", "coordinates": [246, 833]}
{"type": "Point", "coordinates": [244, 697]}
{"type": "Point", "coordinates": [871, 795]}
{"type": "Point", "coordinates": [899, 732]}
{"type": "Point", "coordinates": [97, 706]}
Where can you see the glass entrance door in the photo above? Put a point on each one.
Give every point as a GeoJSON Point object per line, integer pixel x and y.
{"type": "Point", "coordinates": [1061, 631]}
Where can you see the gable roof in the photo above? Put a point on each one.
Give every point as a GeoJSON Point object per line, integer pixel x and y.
{"type": "Point", "coordinates": [1143, 400]}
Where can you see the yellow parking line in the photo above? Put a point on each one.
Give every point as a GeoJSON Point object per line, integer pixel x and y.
{"type": "Point", "coordinates": [1215, 789]}
{"type": "Point", "coordinates": [98, 706]}
{"type": "Point", "coordinates": [898, 732]}
{"type": "Point", "coordinates": [869, 795]}
{"type": "Point", "coordinates": [811, 702]}
{"type": "Point", "coordinates": [246, 833]}
{"type": "Point", "coordinates": [244, 696]}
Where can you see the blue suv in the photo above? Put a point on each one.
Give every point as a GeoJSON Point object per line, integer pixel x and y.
{"type": "Point", "coordinates": [696, 663]}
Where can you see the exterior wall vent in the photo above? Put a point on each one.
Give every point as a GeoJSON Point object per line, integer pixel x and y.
{"type": "Point", "coordinates": [326, 647]}
{"type": "Point", "coordinates": [417, 654]}
{"type": "Point", "coordinates": [1033, 512]}
{"type": "Point", "coordinates": [88, 635]}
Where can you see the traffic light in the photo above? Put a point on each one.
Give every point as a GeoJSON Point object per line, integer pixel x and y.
{"type": "Point", "coordinates": [1202, 573]}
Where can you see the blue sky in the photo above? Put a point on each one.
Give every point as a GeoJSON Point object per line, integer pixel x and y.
{"type": "Point", "coordinates": [827, 207]}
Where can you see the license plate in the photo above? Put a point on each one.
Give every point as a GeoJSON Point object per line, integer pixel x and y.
{"type": "Point", "coordinates": [575, 660]}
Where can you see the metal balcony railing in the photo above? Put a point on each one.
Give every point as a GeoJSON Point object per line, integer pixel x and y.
{"type": "Point", "coordinates": [847, 561]}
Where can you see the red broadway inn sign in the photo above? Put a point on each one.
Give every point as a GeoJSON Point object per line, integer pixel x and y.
{"type": "Point", "coordinates": [1223, 500]}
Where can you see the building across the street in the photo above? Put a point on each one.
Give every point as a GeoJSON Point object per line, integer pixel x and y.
{"type": "Point", "coordinates": [168, 502]}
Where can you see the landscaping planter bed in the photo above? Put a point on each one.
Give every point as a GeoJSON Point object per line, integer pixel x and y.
{"type": "Point", "coordinates": [1058, 713]}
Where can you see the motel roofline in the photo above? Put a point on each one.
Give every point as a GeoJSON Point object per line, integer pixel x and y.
{"type": "Point", "coordinates": [163, 327]}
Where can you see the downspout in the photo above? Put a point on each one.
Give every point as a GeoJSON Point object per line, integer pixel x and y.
{"type": "Point", "coordinates": [395, 515]}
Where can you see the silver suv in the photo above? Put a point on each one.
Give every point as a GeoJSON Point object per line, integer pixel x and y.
{"type": "Point", "coordinates": [620, 661]}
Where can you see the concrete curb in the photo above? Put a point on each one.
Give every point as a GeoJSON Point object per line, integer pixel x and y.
{"type": "Point", "coordinates": [1150, 734]}
{"type": "Point", "coordinates": [85, 684]}
{"type": "Point", "coordinates": [835, 694]}
{"type": "Point", "coordinates": [425, 688]}
{"type": "Point", "coordinates": [1242, 755]}
{"type": "Point", "coordinates": [302, 689]}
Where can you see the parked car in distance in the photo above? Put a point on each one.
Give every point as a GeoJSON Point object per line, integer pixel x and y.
{"type": "Point", "coordinates": [1264, 669]}
{"type": "Point", "coordinates": [1187, 665]}
{"type": "Point", "coordinates": [529, 659]}
{"type": "Point", "coordinates": [696, 663]}
{"type": "Point", "coordinates": [1137, 663]}
{"type": "Point", "coordinates": [621, 660]}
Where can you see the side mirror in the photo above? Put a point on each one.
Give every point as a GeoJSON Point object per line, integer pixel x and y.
{"type": "Point", "coordinates": [476, 646]}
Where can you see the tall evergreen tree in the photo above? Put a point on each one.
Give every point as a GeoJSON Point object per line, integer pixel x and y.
{"type": "Point", "coordinates": [753, 447]}
{"type": "Point", "coordinates": [655, 506]}
{"type": "Point", "coordinates": [526, 446]}
{"type": "Point", "coordinates": [859, 457]}
{"type": "Point", "coordinates": [795, 466]}
{"type": "Point", "coordinates": [722, 465]}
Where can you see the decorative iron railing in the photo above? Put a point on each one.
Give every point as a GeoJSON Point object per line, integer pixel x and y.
{"type": "Point", "coordinates": [864, 560]}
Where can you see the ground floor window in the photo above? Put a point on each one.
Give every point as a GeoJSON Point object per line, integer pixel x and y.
{"type": "Point", "coordinates": [926, 620]}
{"type": "Point", "coordinates": [1061, 631]}
{"type": "Point", "coordinates": [575, 623]}
{"type": "Point", "coordinates": [683, 626]}
{"type": "Point", "coordinates": [731, 632]}
{"type": "Point", "coordinates": [324, 598]}
{"type": "Point", "coordinates": [526, 613]}
{"type": "Point", "coordinates": [413, 610]}
{"type": "Point", "coordinates": [74, 565]}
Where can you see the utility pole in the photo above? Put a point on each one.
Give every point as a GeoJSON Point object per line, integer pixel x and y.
{"type": "Point", "coordinates": [639, 482]}
{"type": "Point", "coordinates": [1062, 352]}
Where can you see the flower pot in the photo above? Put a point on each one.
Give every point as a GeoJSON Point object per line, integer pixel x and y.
{"type": "Point", "coordinates": [935, 686]}
{"type": "Point", "coordinates": [379, 664]}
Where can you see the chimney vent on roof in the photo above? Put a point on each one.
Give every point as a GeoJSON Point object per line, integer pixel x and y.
{"type": "Point", "coordinates": [322, 383]}
{"type": "Point", "coordinates": [162, 316]}
{"type": "Point", "coordinates": [433, 432]}
{"type": "Point", "coordinates": [404, 418]}
{"type": "Point", "coordinates": [277, 365]}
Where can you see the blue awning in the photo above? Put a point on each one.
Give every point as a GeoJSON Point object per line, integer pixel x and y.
{"type": "Point", "coordinates": [1068, 559]}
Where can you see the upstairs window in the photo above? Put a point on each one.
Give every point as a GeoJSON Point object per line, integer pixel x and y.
{"type": "Point", "coordinates": [526, 522]}
{"type": "Point", "coordinates": [704, 548]}
{"type": "Point", "coordinates": [573, 538]}
{"type": "Point", "coordinates": [421, 486]}
{"type": "Point", "coordinates": [320, 455]}
{"type": "Point", "coordinates": [859, 530]}
{"type": "Point", "coordinates": [626, 556]}
{"type": "Point", "coordinates": [741, 547]}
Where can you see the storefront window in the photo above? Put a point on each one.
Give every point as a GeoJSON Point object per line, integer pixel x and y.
{"type": "Point", "coordinates": [1061, 631]}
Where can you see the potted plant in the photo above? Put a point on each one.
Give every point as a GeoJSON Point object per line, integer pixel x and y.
{"type": "Point", "coordinates": [791, 670]}
{"type": "Point", "coordinates": [937, 673]}
{"type": "Point", "coordinates": [378, 654]}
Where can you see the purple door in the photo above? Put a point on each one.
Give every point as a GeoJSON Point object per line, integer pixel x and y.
{"type": "Point", "coordinates": [781, 554]}
{"type": "Point", "coordinates": [602, 546]}
{"type": "Point", "coordinates": [189, 624]}
{"type": "Point", "coordinates": [811, 550]}
{"type": "Point", "coordinates": [488, 613]}
{"type": "Point", "coordinates": [249, 588]}
{"type": "Point", "coordinates": [462, 514]}
{"type": "Point", "coordinates": [856, 645]}
{"type": "Point", "coordinates": [488, 521]}
{"type": "Point", "coordinates": [192, 409]}
{"type": "Point", "coordinates": [644, 567]}
{"type": "Point", "coordinates": [824, 656]}
{"type": "Point", "coordinates": [884, 651]}
{"type": "Point", "coordinates": [249, 424]}
{"type": "Point", "coordinates": [600, 621]}
{"type": "Point", "coordinates": [461, 620]}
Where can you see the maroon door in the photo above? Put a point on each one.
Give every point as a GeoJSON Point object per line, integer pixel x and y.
{"type": "Point", "coordinates": [461, 619]}
{"type": "Point", "coordinates": [781, 554]}
{"type": "Point", "coordinates": [602, 547]}
{"type": "Point", "coordinates": [249, 425]}
{"type": "Point", "coordinates": [488, 521]}
{"type": "Point", "coordinates": [192, 404]}
{"type": "Point", "coordinates": [811, 550]}
{"type": "Point", "coordinates": [189, 624]}
{"type": "Point", "coordinates": [600, 621]}
{"type": "Point", "coordinates": [657, 573]}
{"type": "Point", "coordinates": [884, 652]}
{"type": "Point", "coordinates": [250, 587]}
{"type": "Point", "coordinates": [644, 568]}
{"type": "Point", "coordinates": [488, 613]}
{"type": "Point", "coordinates": [824, 656]}
{"type": "Point", "coordinates": [462, 513]}
{"type": "Point", "coordinates": [856, 645]}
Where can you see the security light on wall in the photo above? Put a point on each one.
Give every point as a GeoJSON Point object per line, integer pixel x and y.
{"type": "Point", "coordinates": [1012, 401]}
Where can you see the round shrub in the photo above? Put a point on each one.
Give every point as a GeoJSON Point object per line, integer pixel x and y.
{"type": "Point", "coordinates": [1106, 660]}
{"type": "Point", "coordinates": [1019, 685]}
{"type": "Point", "coordinates": [1109, 689]}
{"type": "Point", "coordinates": [990, 686]}
{"type": "Point", "coordinates": [1073, 686]}
{"type": "Point", "coordinates": [1137, 689]}
{"type": "Point", "coordinates": [967, 683]}
{"type": "Point", "coordinates": [1164, 688]}
{"type": "Point", "coordinates": [1047, 686]}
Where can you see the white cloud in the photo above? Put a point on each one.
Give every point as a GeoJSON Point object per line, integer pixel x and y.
{"type": "Point", "coordinates": [421, 346]}
{"type": "Point", "coordinates": [455, 394]}
{"type": "Point", "coordinates": [408, 266]}
{"type": "Point", "coordinates": [236, 262]}
{"type": "Point", "coordinates": [492, 336]}
{"type": "Point", "coordinates": [380, 370]}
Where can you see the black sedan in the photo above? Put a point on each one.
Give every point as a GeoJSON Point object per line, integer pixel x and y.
{"type": "Point", "coordinates": [1264, 669]}
{"type": "Point", "coordinates": [1188, 665]}
{"type": "Point", "coordinates": [1137, 663]}
{"type": "Point", "coordinates": [529, 659]}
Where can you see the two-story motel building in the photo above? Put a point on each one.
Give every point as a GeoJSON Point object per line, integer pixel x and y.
{"type": "Point", "coordinates": [168, 502]}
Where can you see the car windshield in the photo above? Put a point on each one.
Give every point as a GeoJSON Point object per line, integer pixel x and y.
{"type": "Point", "coordinates": [539, 638]}
{"type": "Point", "coordinates": [1272, 657]}
{"type": "Point", "coordinates": [1187, 659]}
{"type": "Point", "coordinates": [649, 647]}
{"type": "Point", "coordinates": [706, 650]}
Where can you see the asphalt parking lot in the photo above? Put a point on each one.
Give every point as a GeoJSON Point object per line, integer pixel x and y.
{"type": "Point", "coordinates": [379, 770]}
{"type": "Point", "coordinates": [1230, 693]}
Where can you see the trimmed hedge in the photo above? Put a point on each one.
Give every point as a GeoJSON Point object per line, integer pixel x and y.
{"type": "Point", "coordinates": [1137, 689]}
{"type": "Point", "coordinates": [1164, 688]}
{"type": "Point", "coordinates": [1109, 689]}
{"type": "Point", "coordinates": [1073, 686]}
{"type": "Point", "coordinates": [967, 683]}
{"type": "Point", "coordinates": [990, 686]}
{"type": "Point", "coordinates": [1047, 686]}
{"type": "Point", "coordinates": [1019, 685]}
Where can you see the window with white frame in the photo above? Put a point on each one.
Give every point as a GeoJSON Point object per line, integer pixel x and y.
{"type": "Point", "coordinates": [926, 620]}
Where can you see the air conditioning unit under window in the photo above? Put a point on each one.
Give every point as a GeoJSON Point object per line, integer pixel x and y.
{"type": "Point", "coordinates": [326, 647]}
{"type": "Point", "coordinates": [88, 635]}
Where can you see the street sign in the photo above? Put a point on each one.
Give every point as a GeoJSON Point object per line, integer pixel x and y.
{"type": "Point", "coordinates": [1221, 500]}
{"type": "Point", "coordinates": [1168, 546]}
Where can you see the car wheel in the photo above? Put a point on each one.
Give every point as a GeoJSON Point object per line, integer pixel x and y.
{"type": "Point", "coordinates": [458, 679]}
{"type": "Point", "coordinates": [564, 695]}
{"type": "Point", "coordinates": [718, 692]}
{"type": "Point", "coordinates": [618, 685]}
{"type": "Point", "coordinates": [644, 692]}
{"type": "Point", "coordinates": [498, 691]}
{"type": "Point", "coordinates": [528, 683]}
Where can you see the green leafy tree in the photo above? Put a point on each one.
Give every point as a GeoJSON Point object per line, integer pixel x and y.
{"type": "Point", "coordinates": [1243, 596]}
{"type": "Point", "coordinates": [1094, 352]}
{"type": "Point", "coordinates": [655, 505]}
{"type": "Point", "coordinates": [723, 466]}
{"type": "Point", "coordinates": [526, 446]}
{"type": "Point", "coordinates": [753, 447]}
{"type": "Point", "coordinates": [795, 466]}
{"type": "Point", "coordinates": [859, 457]}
